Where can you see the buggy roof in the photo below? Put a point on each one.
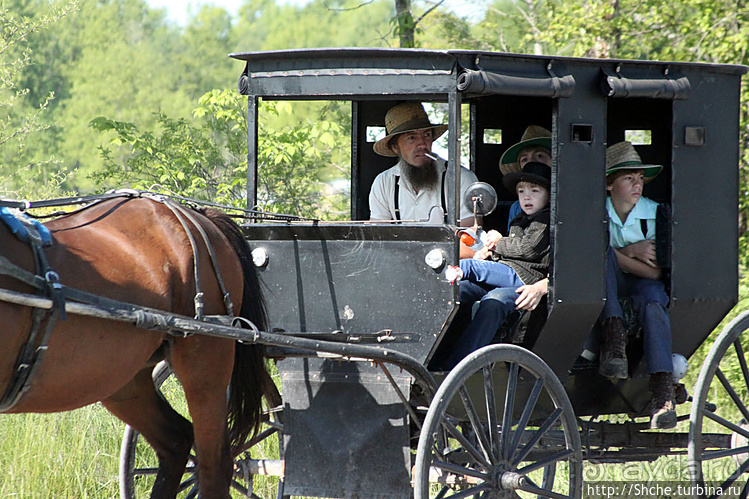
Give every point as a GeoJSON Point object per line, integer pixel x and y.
{"type": "Point", "coordinates": [377, 73]}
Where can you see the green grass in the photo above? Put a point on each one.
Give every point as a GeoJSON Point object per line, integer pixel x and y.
{"type": "Point", "coordinates": [68, 455]}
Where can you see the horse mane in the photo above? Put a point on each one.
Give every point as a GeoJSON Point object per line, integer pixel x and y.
{"type": "Point", "coordinates": [250, 380]}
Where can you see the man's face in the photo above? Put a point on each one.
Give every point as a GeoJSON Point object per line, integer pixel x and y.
{"type": "Point", "coordinates": [532, 197]}
{"type": "Point", "coordinates": [538, 154]}
{"type": "Point", "coordinates": [413, 146]}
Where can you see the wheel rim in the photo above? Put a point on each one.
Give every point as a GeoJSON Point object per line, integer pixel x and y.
{"type": "Point", "coordinates": [718, 451]}
{"type": "Point", "coordinates": [501, 386]}
{"type": "Point", "coordinates": [138, 463]}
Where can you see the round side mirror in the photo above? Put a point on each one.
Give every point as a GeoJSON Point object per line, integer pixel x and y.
{"type": "Point", "coordinates": [480, 196]}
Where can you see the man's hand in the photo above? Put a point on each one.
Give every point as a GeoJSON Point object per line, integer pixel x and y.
{"type": "Point", "coordinates": [531, 294]}
{"type": "Point", "coordinates": [643, 251]}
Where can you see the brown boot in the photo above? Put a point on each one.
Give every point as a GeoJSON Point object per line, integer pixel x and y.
{"type": "Point", "coordinates": [613, 358]}
{"type": "Point", "coordinates": [663, 412]}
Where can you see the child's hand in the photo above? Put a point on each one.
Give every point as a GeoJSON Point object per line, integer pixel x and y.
{"type": "Point", "coordinates": [491, 239]}
{"type": "Point", "coordinates": [482, 254]}
{"type": "Point", "coordinates": [643, 251]}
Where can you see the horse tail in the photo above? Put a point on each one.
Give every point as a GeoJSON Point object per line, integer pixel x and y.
{"type": "Point", "coordinates": [250, 380]}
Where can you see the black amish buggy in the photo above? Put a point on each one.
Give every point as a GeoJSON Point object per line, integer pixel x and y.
{"type": "Point", "coordinates": [362, 306]}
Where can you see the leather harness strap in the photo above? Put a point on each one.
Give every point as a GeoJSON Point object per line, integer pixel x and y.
{"type": "Point", "coordinates": [182, 213]}
{"type": "Point", "coordinates": [47, 282]}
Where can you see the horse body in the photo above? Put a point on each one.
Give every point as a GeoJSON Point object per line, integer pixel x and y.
{"type": "Point", "coordinates": [137, 251]}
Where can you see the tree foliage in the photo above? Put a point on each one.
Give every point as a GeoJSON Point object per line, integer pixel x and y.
{"type": "Point", "coordinates": [24, 112]}
{"type": "Point", "coordinates": [209, 160]}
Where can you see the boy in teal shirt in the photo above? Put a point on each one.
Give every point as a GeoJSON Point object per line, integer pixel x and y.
{"type": "Point", "coordinates": [632, 271]}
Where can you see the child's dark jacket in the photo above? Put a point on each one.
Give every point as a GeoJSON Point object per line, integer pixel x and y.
{"type": "Point", "coordinates": [527, 247]}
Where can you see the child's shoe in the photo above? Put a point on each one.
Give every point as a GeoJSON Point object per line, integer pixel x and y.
{"type": "Point", "coordinates": [453, 274]}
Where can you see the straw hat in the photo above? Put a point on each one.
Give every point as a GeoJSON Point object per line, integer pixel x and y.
{"type": "Point", "coordinates": [402, 118]}
{"type": "Point", "coordinates": [533, 172]}
{"type": "Point", "coordinates": [532, 136]}
{"type": "Point", "coordinates": [622, 156]}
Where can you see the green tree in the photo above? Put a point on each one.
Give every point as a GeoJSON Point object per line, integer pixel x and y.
{"type": "Point", "coordinates": [23, 112]}
{"type": "Point", "coordinates": [209, 161]}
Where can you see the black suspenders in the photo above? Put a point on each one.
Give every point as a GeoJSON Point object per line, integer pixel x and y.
{"type": "Point", "coordinates": [396, 193]}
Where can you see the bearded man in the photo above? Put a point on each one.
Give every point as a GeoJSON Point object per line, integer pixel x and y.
{"type": "Point", "coordinates": [414, 189]}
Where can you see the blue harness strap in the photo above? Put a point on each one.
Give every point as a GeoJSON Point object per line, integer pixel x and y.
{"type": "Point", "coordinates": [18, 225]}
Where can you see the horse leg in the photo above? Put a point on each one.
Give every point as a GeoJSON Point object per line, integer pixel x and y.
{"type": "Point", "coordinates": [139, 405]}
{"type": "Point", "coordinates": [204, 365]}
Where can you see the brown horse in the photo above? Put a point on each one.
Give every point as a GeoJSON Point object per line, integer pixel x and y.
{"type": "Point", "coordinates": [135, 250]}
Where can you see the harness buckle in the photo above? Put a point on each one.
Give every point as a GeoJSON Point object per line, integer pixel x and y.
{"type": "Point", "coordinates": [199, 306]}
{"type": "Point", "coordinates": [53, 279]}
{"type": "Point", "coordinates": [228, 304]}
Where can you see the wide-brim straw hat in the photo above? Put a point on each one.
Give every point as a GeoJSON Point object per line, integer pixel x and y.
{"type": "Point", "coordinates": [533, 172]}
{"type": "Point", "coordinates": [622, 156]}
{"type": "Point", "coordinates": [406, 117]}
{"type": "Point", "coordinates": [534, 135]}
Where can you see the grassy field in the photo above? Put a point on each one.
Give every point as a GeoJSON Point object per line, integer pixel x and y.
{"type": "Point", "coordinates": [69, 455]}
{"type": "Point", "coordinates": [76, 454]}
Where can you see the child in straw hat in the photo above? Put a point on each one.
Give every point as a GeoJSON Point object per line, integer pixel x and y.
{"type": "Point", "coordinates": [534, 145]}
{"type": "Point", "coordinates": [632, 271]}
{"type": "Point", "coordinates": [522, 259]}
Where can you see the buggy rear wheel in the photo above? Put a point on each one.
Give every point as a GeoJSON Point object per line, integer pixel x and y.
{"type": "Point", "coordinates": [718, 448]}
{"type": "Point", "coordinates": [138, 462]}
{"type": "Point", "coordinates": [500, 425]}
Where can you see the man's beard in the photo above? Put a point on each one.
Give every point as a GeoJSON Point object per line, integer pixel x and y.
{"type": "Point", "coordinates": [420, 177]}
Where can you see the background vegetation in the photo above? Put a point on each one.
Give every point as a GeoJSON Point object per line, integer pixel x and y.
{"type": "Point", "coordinates": [96, 94]}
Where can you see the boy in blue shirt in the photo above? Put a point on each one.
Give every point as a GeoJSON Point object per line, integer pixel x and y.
{"type": "Point", "coordinates": [632, 271]}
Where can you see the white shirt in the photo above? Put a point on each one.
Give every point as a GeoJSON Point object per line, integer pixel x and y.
{"type": "Point", "coordinates": [412, 206]}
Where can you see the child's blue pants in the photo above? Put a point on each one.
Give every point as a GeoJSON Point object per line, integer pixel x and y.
{"type": "Point", "coordinates": [650, 300]}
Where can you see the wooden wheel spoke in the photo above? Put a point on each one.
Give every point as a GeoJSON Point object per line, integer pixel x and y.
{"type": "Point", "coordinates": [530, 404]}
{"type": "Point", "coordinates": [455, 469]}
{"type": "Point", "coordinates": [491, 416]}
{"type": "Point", "coordinates": [469, 492]}
{"type": "Point", "coordinates": [735, 476]}
{"type": "Point", "coordinates": [717, 454]}
{"type": "Point", "coordinates": [517, 459]}
{"type": "Point", "coordinates": [731, 426]}
{"type": "Point", "coordinates": [465, 444]}
{"type": "Point", "coordinates": [145, 471]}
{"type": "Point", "coordinates": [742, 361]}
{"type": "Point", "coordinates": [732, 393]}
{"type": "Point", "coordinates": [509, 407]}
{"type": "Point", "coordinates": [535, 489]}
{"type": "Point", "coordinates": [442, 492]}
{"type": "Point", "coordinates": [475, 421]}
{"type": "Point", "coordinates": [190, 482]}
{"type": "Point", "coordinates": [559, 456]}
{"type": "Point", "coordinates": [239, 487]}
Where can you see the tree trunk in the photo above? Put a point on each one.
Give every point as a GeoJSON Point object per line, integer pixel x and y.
{"type": "Point", "coordinates": [404, 23]}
